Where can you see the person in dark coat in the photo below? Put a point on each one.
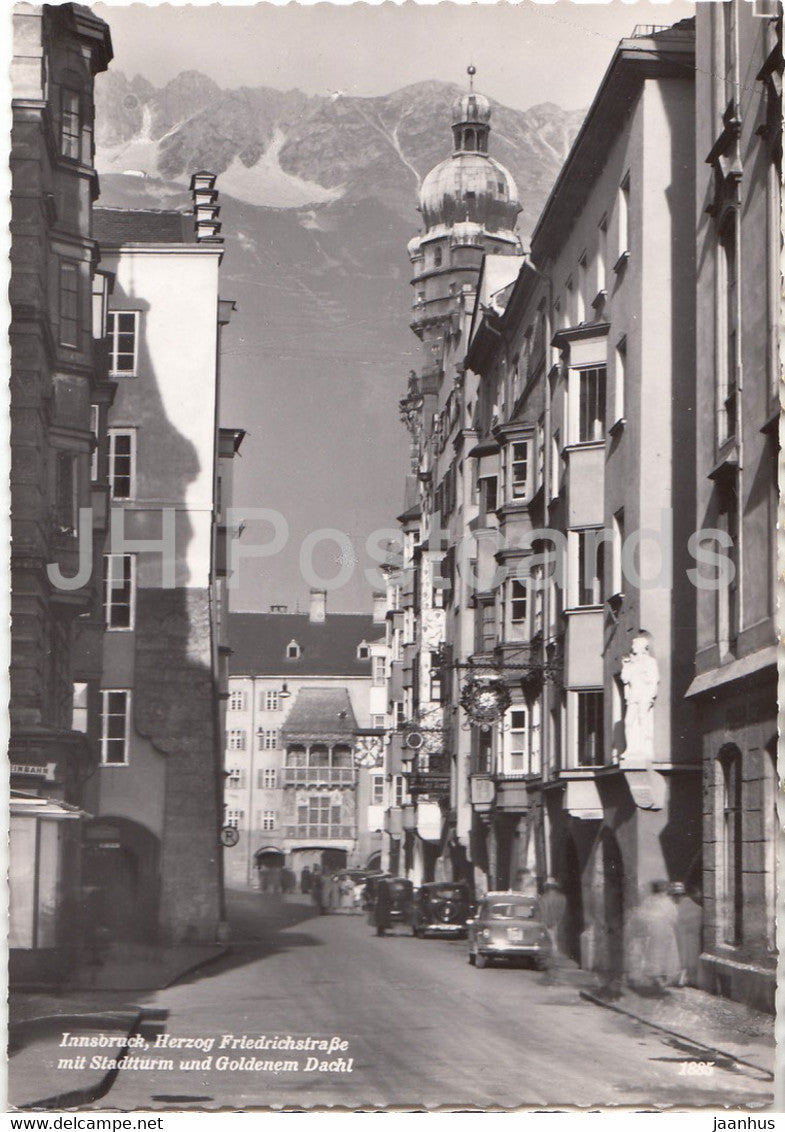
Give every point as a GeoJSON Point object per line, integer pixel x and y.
{"type": "Point", "coordinates": [317, 889]}
{"type": "Point", "coordinates": [305, 880]}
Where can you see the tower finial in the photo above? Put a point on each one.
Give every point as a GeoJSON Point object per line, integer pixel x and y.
{"type": "Point", "coordinates": [471, 71]}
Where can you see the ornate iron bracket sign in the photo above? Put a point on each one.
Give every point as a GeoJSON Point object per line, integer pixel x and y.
{"type": "Point", "coordinates": [485, 699]}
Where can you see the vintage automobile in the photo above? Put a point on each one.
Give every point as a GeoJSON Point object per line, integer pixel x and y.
{"type": "Point", "coordinates": [392, 904]}
{"type": "Point", "coordinates": [369, 890]}
{"type": "Point", "coordinates": [441, 908]}
{"type": "Point", "coordinates": [507, 926]}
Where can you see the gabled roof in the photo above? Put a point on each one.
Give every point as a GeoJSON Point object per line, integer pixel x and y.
{"type": "Point", "coordinates": [118, 226]}
{"type": "Point", "coordinates": [321, 713]}
{"type": "Point", "coordinates": [258, 642]}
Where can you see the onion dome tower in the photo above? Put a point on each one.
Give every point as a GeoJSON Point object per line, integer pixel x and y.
{"type": "Point", "coordinates": [469, 205]}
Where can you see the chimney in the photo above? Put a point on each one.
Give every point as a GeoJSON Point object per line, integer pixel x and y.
{"type": "Point", "coordinates": [278, 608]}
{"type": "Point", "coordinates": [379, 608]}
{"type": "Point", "coordinates": [206, 210]}
{"type": "Point", "coordinates": [317, 612]}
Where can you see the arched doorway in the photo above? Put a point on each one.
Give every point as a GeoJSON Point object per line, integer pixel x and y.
{"type": "Point", "coordinates": [120, 879]}
{"type": "Point", "coordinates": [269, 861]}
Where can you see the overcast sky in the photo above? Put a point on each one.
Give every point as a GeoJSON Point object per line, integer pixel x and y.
{"type": "Point", "coordinates": [525, 53]}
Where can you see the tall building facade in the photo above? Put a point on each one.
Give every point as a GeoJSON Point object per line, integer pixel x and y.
{"type": "Point", "coordinates": [152, 849]}
{"type": "Point", "coordinates": [575, 703]}
{"type": "Point", "coordinates": [59, 384]}
{"type": "Point", "coordinates": [469, 204]}
{"type": "Point", "coordinates": [306, 723]}
{"type": "Point", "coordinates": [738, 170]}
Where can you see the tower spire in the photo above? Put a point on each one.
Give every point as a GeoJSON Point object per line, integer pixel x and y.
{"type": "Point", "coordinates": [471, 71]}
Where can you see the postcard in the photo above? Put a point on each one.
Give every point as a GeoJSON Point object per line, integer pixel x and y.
{"type": "Point", "coordinates": [394, 407]}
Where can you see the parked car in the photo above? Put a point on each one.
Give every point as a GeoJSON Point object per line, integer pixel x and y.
{"type": "Point", "coordinates": [392, 903]}
{"type": "Point", "coordinates": [507, 926]}
{"type": "Point", "coordinates": [441, 908]}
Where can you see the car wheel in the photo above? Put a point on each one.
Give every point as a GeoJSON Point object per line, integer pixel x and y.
{"type": "Point", "coordinates": [380, 930]}
{"type": "Point", "coordinates": [480, 961]}
{"type": "Point", "coordinates": [539, 963]}
{"type": "Point", "coordinates": [472, 958]}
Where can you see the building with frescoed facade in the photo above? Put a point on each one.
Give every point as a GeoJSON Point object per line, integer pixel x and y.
{"type": "Point", "coordinates": [59, 394]}
{"type": "Point", "coordinates": [307, 716]}
{"type": "Point", "coordinates": [152, 850]}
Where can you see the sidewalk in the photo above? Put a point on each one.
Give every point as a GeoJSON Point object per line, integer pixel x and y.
{"type": "Point", "coordinates": [701, 1024]}
{"type": "Point", "coordinates": [105, 999]}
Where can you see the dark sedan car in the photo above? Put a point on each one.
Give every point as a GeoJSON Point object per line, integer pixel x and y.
{"type": "Point", "coordinates": [507, 926]}
{"type": "Point", "coordinates": [392, 904]}
{"type": "Point", "coordinates": [441, 908]}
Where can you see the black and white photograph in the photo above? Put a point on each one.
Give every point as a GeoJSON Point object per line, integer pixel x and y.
{"type": "Point", "coordinates": [392, 444]}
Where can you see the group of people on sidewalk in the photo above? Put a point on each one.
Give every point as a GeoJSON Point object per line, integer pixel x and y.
{"type": "Point", "coordinates": [664, 939]}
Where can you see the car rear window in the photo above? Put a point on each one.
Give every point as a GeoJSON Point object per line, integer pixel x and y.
{"type": "Point", "coordinates": [512, 910]}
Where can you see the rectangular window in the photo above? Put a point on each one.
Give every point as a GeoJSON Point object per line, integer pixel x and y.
{"type": "Point", "coordinates": [518, 602]}
{"type": "Point", "coordinates": [122, 462]}
{"type": "Point", "coordinates": [602, 254]}
{"type": "Point", "coordinates": [69, 305]}
{"type": "Point", "coordinates": [732, 851]}
{"type": "Point", "coordinates": [79, 715]}
{"type": "Point", "coordinates": [435, 677]}
{"type": "Point", "coordinates": [379, 669]}
{"type": "Point", "coordinates": [518, 741]}
{"type": "Point", "coordinates": [623, 206]}
{"type": "Point", "coordinates": [519, 470]}
{"type": "Point", "coordinates": [400, 715]}
{"type": "Point", "coordinates": [269, 820]}
{"type": "Point", "coordinates": [121, 329]}
{"type": "Point", "coordinates": [617, 583]}
{"type": "Point", "coordinates": [270, 701]}
{"type": "Point", "coordinates": [66, 493]}
{"type": "Point", "coordinates": [580, 293]}
{"type": "Point", "coordinates": [377, 790]}
{"type": "Point", "coordinates": [487, 626]}
{"type": "Point", "coordinates": [234, 777]}
{"type": "Point", "coordinates": [115, 726]}
{"type": "Point", "coordinates": [234, 818]}
{"type": "Point", "coordinates": [94, 426]}
{"type": "Point", "coordinates": [399, 789]}
{"type": "Point", "coordinates": [378, 721]}
{"type": "Point", "coordinates": [728, 593]}
{"type": "Point", "coordinates": [70, 124]}
{"type": "Point", "coordinates": [591, 738]}
{"type": "Point", "coordinates": [237, 701]}
{"type": "Point", "coordinates": [119, 591]}
{"type": "Point", "coordinates": [236, 741]}
{"type": "Point", "coordinates": [269, 740]}
{"type": "Point", "coordinates": [555, 465]}
{"type": "Point", "coordinates": [591, 394]}
{"type": "Point", "coordinates": [591, 561]}
{"type": "Point", "coordinates": [488, 495]}
{"type": "Point", "coordinates": [619, 380]}
{"type": "Point", "coordinates": [727, 332]}
{"type": "Point", "coordinates": [267, 778]}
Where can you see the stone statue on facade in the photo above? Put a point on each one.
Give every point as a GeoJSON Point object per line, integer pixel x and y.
{"type": "Point", "coordinates": [640, 677]}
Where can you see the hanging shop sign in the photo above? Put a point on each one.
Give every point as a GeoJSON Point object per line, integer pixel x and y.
{"type": "Point", "coordinates": [485, 700]}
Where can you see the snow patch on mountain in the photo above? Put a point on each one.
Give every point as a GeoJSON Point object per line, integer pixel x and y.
{"type": "Point", "coordinates": [266, 183]}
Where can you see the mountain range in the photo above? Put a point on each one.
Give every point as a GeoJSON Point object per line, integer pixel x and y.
{"type": "Point", "coordinates": [318, 201]}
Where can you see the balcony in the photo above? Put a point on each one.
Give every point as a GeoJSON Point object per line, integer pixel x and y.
{"type": "Point", "coordinates": [318, 776]}
{"type": "Point", "coordinates": [324, 832]}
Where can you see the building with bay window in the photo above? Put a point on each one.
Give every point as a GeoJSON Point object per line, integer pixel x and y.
{"type": "Point", "coordinates": [59, 395]}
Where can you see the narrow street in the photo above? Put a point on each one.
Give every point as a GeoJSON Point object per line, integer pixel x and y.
{"type": "Point", "coordinates": [423, 1028]}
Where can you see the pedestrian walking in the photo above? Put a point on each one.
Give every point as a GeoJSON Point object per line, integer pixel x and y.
{"type": "Point", "coordinates": [305, 880]}
{"type": "Point", "coordinates": [317, 889]}
{"type": "Point", "coordinates": [689, 927]}
{"type": "Point", "coordinates": [652, 949]}
{"type": "Point", "coordinates": [553, 908]}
